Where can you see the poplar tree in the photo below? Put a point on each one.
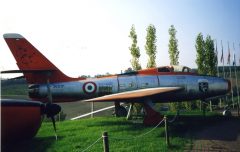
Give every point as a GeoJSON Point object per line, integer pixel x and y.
{"type": "Point", "coordinates": [135, 52]}
{"type": "Point", "coordinates": [206, 57]}
{"type": "Point", "coordinates": [150, 46]}
{"type": "Point", "coordinates": [173, 46]}
{"type": "Point", "coordinates": [210, 57]}
{"type": "Point", "coordinates": [134, 49]}
{"type": "Point", "coordinates": [173, 55]}
{"type": "Point", "coordinates": [200, 48]}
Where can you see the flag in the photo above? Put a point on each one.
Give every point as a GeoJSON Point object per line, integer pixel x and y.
{"type": "Point", "coordinates": [229, 55]}
{"type": "Point", "coordinates": [234, 60]}
{"type": "Point", "coordinates": [216, 53]}
{"type": "Point", "coordinates": [222, 58]}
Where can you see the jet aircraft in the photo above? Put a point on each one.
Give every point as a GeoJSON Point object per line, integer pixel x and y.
{"type": "Point", "coordinates": [147, 86]}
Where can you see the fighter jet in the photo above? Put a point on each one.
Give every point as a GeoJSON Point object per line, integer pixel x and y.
{"type": "Point", "coordinates": [162, 84]}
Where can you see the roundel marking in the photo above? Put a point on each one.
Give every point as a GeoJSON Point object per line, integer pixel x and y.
{"type": "Point", "coordinates": [89, 87]}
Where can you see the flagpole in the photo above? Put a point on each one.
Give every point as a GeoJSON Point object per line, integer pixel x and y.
{"type": "Point", "coordinates": [236, 78]}
{"type": "Point", "coordinates": [216, 52]}
{"type": "Point", "coordinates": [222, 59]}
{"type": "Point", "coordinates": [229, 63]}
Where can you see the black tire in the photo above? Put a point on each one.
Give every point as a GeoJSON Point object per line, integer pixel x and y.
{"type": "Point", "coordinates": [121, 112]}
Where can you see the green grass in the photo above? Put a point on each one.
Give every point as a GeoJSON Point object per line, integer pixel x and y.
{"type": "Point", "coordinates": [190, 113]}
{"type": "Point", "coordinates": [14, 87]}
{"type": "Point", "coordinates": [78, 135]}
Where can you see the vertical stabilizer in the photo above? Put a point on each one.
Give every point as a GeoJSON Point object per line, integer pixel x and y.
{"type": "Point", "coordinates": [34, 65]}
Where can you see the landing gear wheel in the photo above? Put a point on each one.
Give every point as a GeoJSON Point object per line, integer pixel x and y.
{"type": "Point", "coordinates": [121, 111]}
{"type": "Point", "coordinates": [227, 113]}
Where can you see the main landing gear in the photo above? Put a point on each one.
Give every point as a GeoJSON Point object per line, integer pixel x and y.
{"type": "Point", "coordinates": [120, 111]}
{"type": "Point", "coordinates": [151, 117]}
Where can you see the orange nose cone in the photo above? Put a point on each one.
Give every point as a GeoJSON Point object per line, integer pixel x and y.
{"type": "Point", "coordinates": [229, 86]}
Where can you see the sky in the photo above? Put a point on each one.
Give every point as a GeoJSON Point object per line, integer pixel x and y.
{"type": "Point", "coordinates": [89, 37]}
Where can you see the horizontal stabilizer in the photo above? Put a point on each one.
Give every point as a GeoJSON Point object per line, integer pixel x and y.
{"type": "Point", "coordinates": [27, 71]}
{"type": "Point", "coordinates": [134, 94]}
{"type": "Point", "coordinates": [16, 78]}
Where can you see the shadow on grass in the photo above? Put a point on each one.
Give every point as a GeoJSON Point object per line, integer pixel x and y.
{"type": "Point", "coordinates": [37, 144]}
{"type": "Point", "coordinates": [174, 146]}
{"type": "Point", "coordinates": [127, 125]}
{"type": "Point", "coordinates": [111, 122]}
{"type": "Point", "coordinates": [206, 128]}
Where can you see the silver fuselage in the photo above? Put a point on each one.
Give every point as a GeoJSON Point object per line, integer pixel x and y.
{"type": "Point", "coordinates": [194, 87]}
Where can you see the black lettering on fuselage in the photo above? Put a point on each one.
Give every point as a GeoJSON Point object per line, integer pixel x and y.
{"type": "Point", "coordinates": [58, 86]}
{"type": "Point", "coordinates": [105, 89]}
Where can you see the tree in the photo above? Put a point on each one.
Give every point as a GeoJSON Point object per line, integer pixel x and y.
{"type": "Point", "coordinates": [135, 52]}
{"type": "Point", "coordinates": [150, 47]}
{"type": "Point", "coordinates": [200, 61]}
{"type": "Point", "coordinates": [173, 46]}
{"type": "Point", "coordinates": [206, 57]}
{"type": "Point", "coordinates": [173, 55]}
{"type": "Point", "coordinates": [210, 57]}
{"type": "Point", "coordinates": [200, 48]}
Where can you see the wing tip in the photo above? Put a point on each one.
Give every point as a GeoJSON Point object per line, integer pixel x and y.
{"type": "Point", "coordinates": [12, 35]}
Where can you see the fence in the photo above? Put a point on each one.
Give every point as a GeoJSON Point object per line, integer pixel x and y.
{"type": "Point", "coordinates": [106, 138]}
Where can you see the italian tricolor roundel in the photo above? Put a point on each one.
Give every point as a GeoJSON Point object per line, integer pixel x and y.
{"type": "Point", "coordinates": [89, 87]}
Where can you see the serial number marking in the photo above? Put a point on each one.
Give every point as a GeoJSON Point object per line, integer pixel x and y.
{"type": "Point", "coordinates": [58, 86]}
{"type": "Point", "coordinates": [105, 88]}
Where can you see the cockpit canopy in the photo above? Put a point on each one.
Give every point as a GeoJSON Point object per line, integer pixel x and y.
{"type": "Point", "coordinates": [175, 68]}
{"type": "Point", "coordinates": [162, 70]}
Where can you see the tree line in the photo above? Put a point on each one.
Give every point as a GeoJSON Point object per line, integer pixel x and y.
{"type": "Point", "coordinates": [206, 57]}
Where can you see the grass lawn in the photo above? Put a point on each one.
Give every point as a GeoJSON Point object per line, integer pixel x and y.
{"type": "Point", "coordinates": [123, 135]}
{"type": "Point", "coordinates": [78, 135]}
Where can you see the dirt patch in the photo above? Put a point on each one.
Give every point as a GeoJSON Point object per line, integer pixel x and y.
{"type": "Point", "coordinates": [223, 136]}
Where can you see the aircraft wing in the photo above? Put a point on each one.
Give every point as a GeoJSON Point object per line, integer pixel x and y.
{"type": "Point", "coordinates": [135, 94]}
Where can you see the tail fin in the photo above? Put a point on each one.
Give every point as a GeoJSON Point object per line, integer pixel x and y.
{"type": "Point", "coordinates": [34, 65]}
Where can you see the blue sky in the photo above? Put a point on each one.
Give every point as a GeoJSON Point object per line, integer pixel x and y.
{"type": "Point", "coordinates": [91, 37]}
